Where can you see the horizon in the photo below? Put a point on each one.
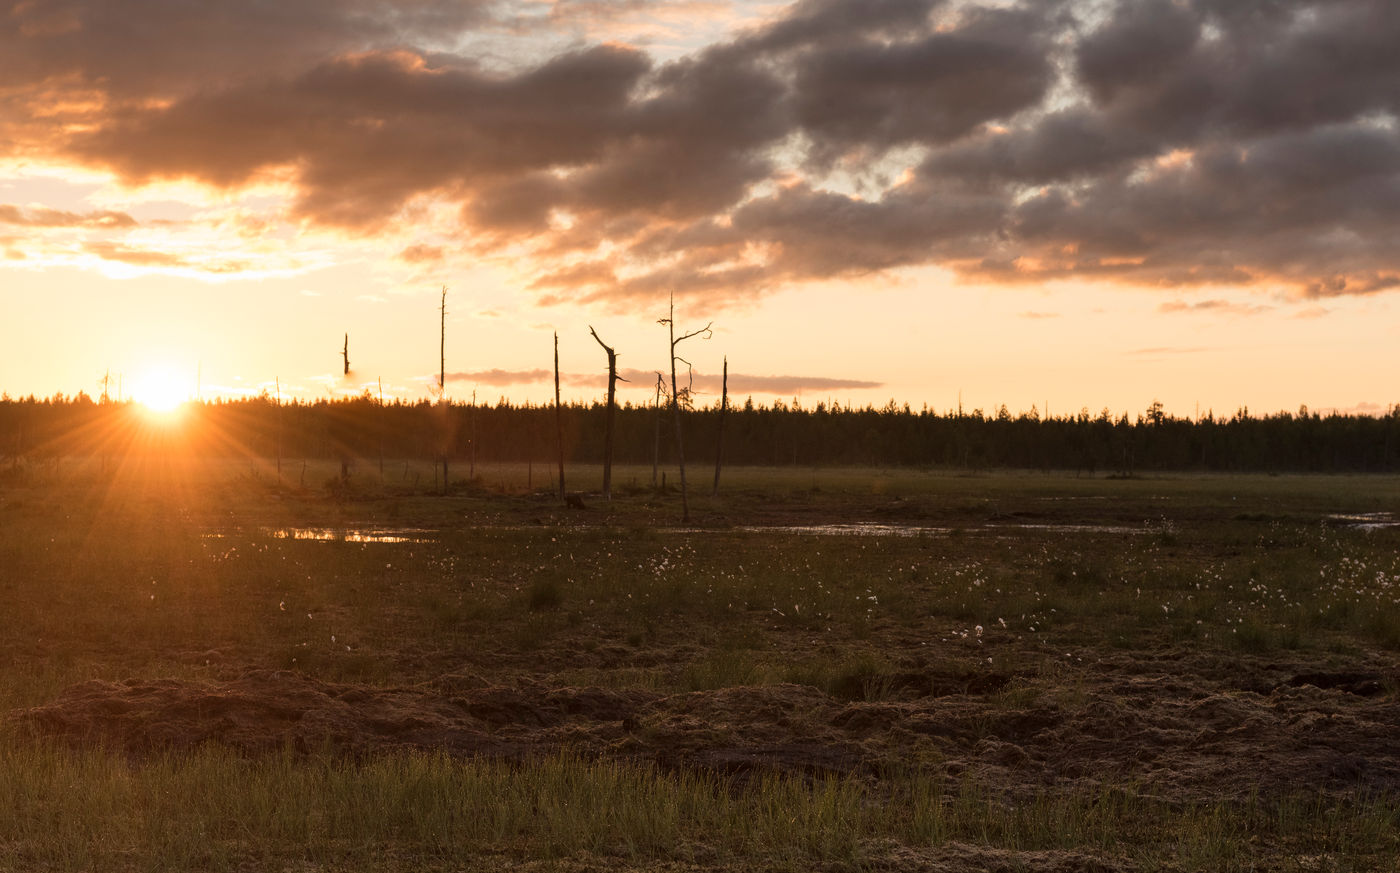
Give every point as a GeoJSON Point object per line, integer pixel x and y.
{"type": "Point", "coordinates": [163, 406]}
{"type": "Point", "coordinates": [1069, 205]}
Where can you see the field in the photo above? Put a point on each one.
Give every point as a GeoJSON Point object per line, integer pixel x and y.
{"type": "Point", "coordinates": [206, 668]}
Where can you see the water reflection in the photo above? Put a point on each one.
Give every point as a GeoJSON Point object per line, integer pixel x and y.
{"type": "Point", "coordinates": [344, 535]}
{"type": "Point", "coordinates": [1364, 520]}
{"type": "Point", "coordinates": [351, 535]}
{"type": "Point", "coordinates": [857, 529]}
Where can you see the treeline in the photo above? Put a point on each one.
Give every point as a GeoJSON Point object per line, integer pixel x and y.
{"type": "Point", "coordinates": [361, 429]}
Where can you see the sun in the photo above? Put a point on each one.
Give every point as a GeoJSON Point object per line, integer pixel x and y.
{"type": "Point", "coordinates": [159, 391]}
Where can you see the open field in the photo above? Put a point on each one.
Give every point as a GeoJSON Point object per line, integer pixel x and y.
{"type": "Point", "coordinates": [204, 668]}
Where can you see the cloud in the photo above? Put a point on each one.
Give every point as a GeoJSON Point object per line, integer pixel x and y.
{"type": "Point", "coordinates": [1038, 315]}
{"type": "Point", "coordinates": [928, 90]}
{"type": "Point", "coordinates": [742, 383]}
{"type": "Point", "coordinates": [368, 132]}
{"type": "Point", "coordinates": [501, 377]}
{"type": "Point", "coordinates": [422, 254]}
{"type": "Point", "coordinates": [140, 48]}
{"type": "Point", "coordinates": [1213, 306]}
{"type": "Point", "coordinates": [1312, 312]}
{"type": "Point", "coordinates": [110, 251]}
{"type": "Point", "coordinates": [163, 260]}
{"type": "Point", "coordinates": [704, 383]}
{"type": "Point", "coordinates": [41, 217]}
{"type": "Point", "coordinates": [1158, 143]}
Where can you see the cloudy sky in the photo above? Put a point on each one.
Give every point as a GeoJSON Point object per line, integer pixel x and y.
{"type": "Point", "coordinates": [1080, 203]}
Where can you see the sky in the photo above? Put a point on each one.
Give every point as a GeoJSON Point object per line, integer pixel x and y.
{"type": "Point", "coordinates": [1064, 204]}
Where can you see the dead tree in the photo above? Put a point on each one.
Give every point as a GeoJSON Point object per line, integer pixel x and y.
{"type": "Point", "coordinates": [719, 438]}
{"type": "Point", "coordinates": [278, 384]}
{"type": "Point", "coordinates": [670, 322]}
{"type": "Point", "coordinates": [442, 387]}
{"type": "Point", "coordinates": [559, 420]}
{"type": "Point", "coordinates": [344, 450]}
{"type": "Point", "coordinates": [656, 435]}
{"type": "Point", "coordinates": [612, 406]}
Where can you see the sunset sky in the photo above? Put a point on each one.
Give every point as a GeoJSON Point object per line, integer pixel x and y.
{"type": "Point", "coordinates": [1085, 204]}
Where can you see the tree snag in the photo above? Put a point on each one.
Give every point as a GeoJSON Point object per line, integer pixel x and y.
{"type": "Point", "coordinates": [719, 437]}
{"type": "Point", "coordinates": [670, 322]}
{"type": "Point", "coordinates": [444, 411]}
{"type": "Point", "coordinates": [612, 406]}
{"type": "Point", "coordinates": [559, 421]}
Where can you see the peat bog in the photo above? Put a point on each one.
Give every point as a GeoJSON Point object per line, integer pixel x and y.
{"type": "Point", "coordinates": [208, 669]}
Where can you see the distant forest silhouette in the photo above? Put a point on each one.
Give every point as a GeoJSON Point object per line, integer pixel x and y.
{"type": "Point", "coordinates": [36, 431]}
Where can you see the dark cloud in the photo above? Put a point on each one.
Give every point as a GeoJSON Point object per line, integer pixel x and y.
{"type": "Point", "coordinates": [144, 48]}
{"type": "Point", "coordinates": [1143, 44]}
{"type": "Point", "coordinates": [825, 22]}
{"type": "Point", "coordinates": [368, 132]}
{"type": "Point", "coordinates": [1153, 142]}
{"type": "Point", "coordinates": [928, 90]}
{"type": "Point", "coordinates": [1064, 145]}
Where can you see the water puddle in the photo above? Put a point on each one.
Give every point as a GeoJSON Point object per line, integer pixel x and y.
{"type": "Point", "coordinates": [1076, 528]}
{"type": "Point", "coordinates": [876, 529]}
{"type": "Point", "coordinates": [344, 535]}
{"type": "Point", "coordinates": [1364, 520]}
{"type": "Point", "coordinates": [855, 529]}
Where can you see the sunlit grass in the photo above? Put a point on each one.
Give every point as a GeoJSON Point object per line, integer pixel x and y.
{"type": "Point", "coordinates": [211, 810]}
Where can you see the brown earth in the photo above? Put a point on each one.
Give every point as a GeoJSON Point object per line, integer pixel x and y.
{"type": "Point", "coordinates": [1177, 729]}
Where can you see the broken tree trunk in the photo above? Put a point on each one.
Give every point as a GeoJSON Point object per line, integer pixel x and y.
{"type": "Point", "coordinates": [656, 435]}
{"type": "Point", "coordinates": [719, 438]}
{"type": "Point", "coordinates": [670, 322]}
{"type": "Point", "coordinates": [608, 427]}
{"type": "Point", "coordinates": [442, 387]}
{"type": "Point", "coordinates": [559, 420]}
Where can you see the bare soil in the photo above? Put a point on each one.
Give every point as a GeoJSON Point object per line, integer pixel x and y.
{"type": "Point", "coordinates": [1176, 726]}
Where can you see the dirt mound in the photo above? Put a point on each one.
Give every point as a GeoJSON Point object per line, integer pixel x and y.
{"type": "Point", "coordinates": [1170, 736]}
{"type": "Point", "coordinates": [268, 710]}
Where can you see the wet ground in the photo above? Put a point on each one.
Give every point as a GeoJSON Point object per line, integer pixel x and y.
{"type": "Point", "coordinates": [960, 682]}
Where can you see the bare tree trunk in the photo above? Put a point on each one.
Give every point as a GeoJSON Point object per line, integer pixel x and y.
{"type": "Point", "coordinates": [381, 428]}
{"type": "Point", "coordinates": [670, 322]}
{"type": "Point", "coordinates": [278, 383]}
{"type": "Point", "coordinates": [344, 455]}
{"type": "Point", "coordinates": [719, 439]}
{"type": "Point", "coordinates": [558, 418]}
{"type": "Point", "coordinates": [676, 411]}
{"type": "Point", "coordinates": [442, 386]}
{"type": "Point", "coordinates": [473, 469]}
{"type": "Point", "coordinates": [608, 432]}
{"type": "Point", "coordinates": [656, 436]}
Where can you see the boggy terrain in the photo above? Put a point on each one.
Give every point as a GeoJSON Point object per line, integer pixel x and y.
{"type": "Point", "coordinates": [1011, 672]}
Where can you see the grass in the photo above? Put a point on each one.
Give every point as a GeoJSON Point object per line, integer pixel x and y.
{"type": "Point", "coordinates": [179, 812]}
{"type": "Point", "coordinates": [180, 574]}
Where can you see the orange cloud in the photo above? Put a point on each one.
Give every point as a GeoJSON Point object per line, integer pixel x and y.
{"type": "Point", "coordinates": [1172, 145]}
